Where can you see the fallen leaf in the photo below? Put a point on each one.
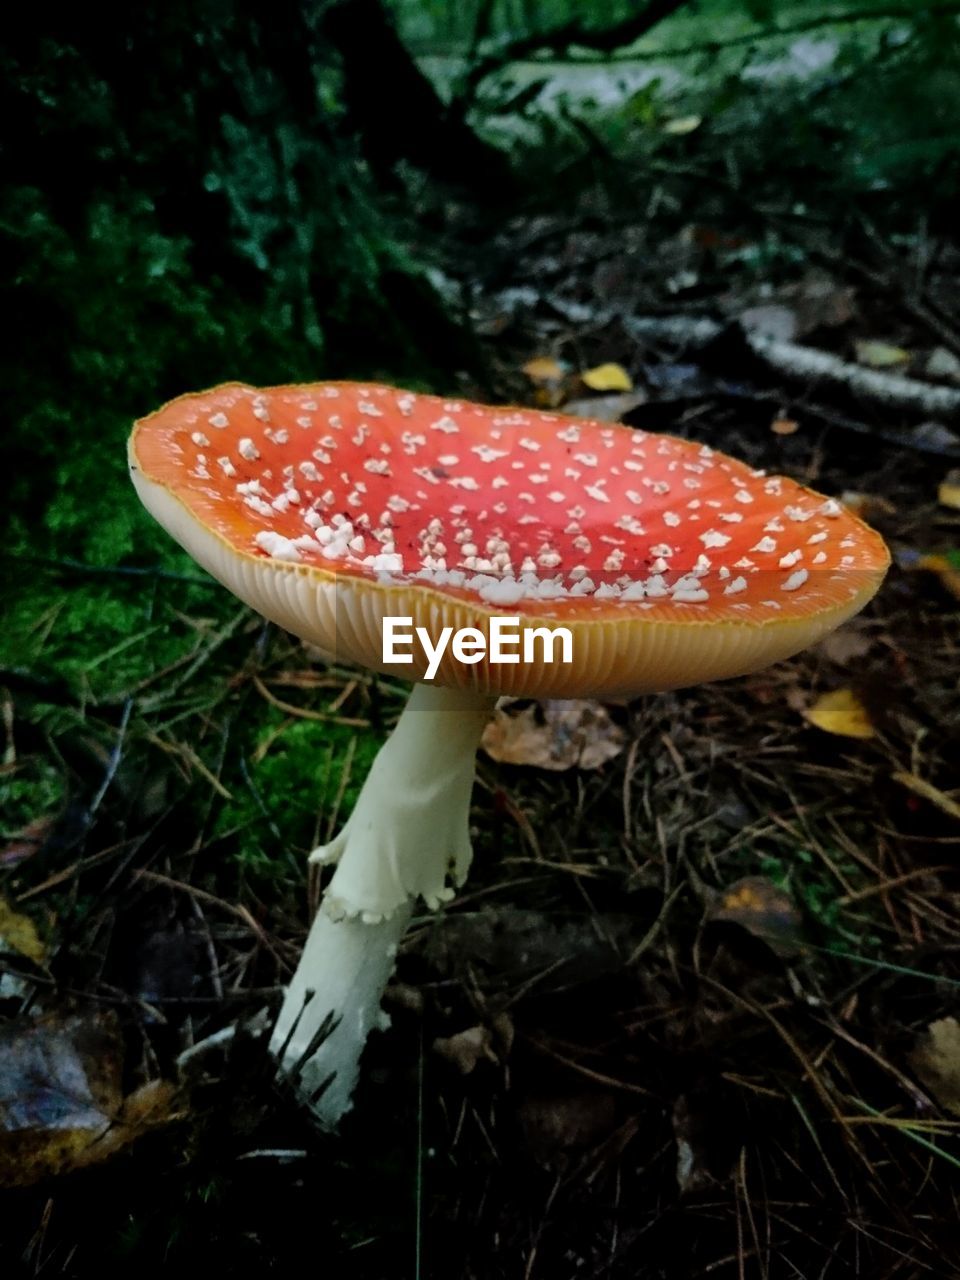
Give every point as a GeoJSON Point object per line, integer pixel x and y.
{"type": "Point", "coordinates": [19, 933]}
{"type": "Point", "coordinates": [819, 302]}
{"type": "Point", "coordinates": [682, 280]}
{"type": "Point", "coordinates": [770, 320]}
{"type": "Point", "coordinates": [927, 791]}
{"type": "Point", "coordinates": [13, 987]}
{"type": "Point", "coordinates": [61, 1102]}
{"type": "Point", "coordinates": [936, 1060]}
{"type": "Point", "coordinates": [880, 355]}
{"type": "Point", "coordinates": [948, 494]}
{"type": "Point", "coordinates": [606, 408]}
{"type": "Point", "coordinates": [846, 645]}
{"type": "Point", "coordinates": [556, 734]}
{"type": "Point", "coordinates": [690, 1131]}
{"type": "Point", "coordinates": [404, 996]}
{"type": "Point", "coordinates": [784, 426]}
{"type": "Point", "coordinates": [466, 1049]}
{"type": "Point", "coordinates": [681, 125]}
{"type": "Point", "coordinates": [764, 910]}
{"type": "Point", "coordinates": [549, 377]}
{"type": "Point", "coordinates": [544, 369]}
{"type": "Point", "coordinates": [152, 1105]}
{"type": "Point", "coordinates": [607, 377]}
{"type": "Point", "coordinates": [942, 363]}
{"type": "Point", "coordinates": [677, 380]}
{"type": "Point", "coordinates": [841, 712]}
{"type": "Point", "coordinates": [935, 437]}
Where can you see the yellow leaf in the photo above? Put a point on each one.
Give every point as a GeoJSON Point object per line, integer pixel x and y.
{"type": "Point", "coordinates": [763, 909]}
{"type": "Point", "coordinates": [607, 377]}
{"type": "Point", "coordinates": [64, 1074]}
{"type": "Point", "coordinates": [948, 495]}
{"type": "Point", "coordinates": [936, 1060]}
{"type": "Point", "coordinates": [18, 933]}
{"type": "Point", "coordinates": [680, 125]}
{"type": "Point", "coordinates": [544, 369]}
{"type": "Point", "coordinates": [880, 355]}
{"type": "Point", "coordinates": [841, 712]}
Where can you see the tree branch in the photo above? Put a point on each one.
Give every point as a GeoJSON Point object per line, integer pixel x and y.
{"type": "Point", "coordinates": [879, 14]}
{"type": "Point", "coordinates": [570, 33]}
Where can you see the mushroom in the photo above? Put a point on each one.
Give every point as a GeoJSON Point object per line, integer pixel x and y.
{"type": "Point", "coordinates": [336, 509]}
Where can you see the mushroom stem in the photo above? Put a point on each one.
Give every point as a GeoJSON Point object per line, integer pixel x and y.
{"type": "Point", "coordinates": [332, 1005]}
{"type": "Point", "coordinates": [407, 837]}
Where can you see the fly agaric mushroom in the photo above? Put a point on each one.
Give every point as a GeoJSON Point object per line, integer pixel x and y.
{"type": "Point", "coordinates": [331, 508]}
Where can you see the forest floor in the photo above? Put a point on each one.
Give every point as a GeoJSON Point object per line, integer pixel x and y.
{"type": "Point", "coordinates": [694, 1014]}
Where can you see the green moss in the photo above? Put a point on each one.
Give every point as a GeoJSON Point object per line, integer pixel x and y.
{"type": "Point", "coordinates": [817, 891]}
{"type": "Point", "coordinates": [36, 790]}
{"type": "Point", "coordinates": [103, 637]}
{"type": "Point", "coordinates": [286, 800]}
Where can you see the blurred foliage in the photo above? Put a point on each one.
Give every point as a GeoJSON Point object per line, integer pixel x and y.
{"type": "Point", "coordinates": [183, 203]}
{"type": "Point", "coordinates": [436, 24]}
{"type": "Point", "coordinates": [186, 199]}
{"type": "Point", "coordinates": [883, 115]}
{"type": "Point", "coordinates": [820, 103]}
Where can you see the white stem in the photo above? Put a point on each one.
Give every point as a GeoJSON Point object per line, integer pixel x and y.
{"type": "Point", "coordinates": [319, 1038]}
{"type": "Point", "coordinates": [407, 837]}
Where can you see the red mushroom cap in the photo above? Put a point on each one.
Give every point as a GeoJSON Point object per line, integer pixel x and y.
{"type": "Point", "coordinates": [329, 506]}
